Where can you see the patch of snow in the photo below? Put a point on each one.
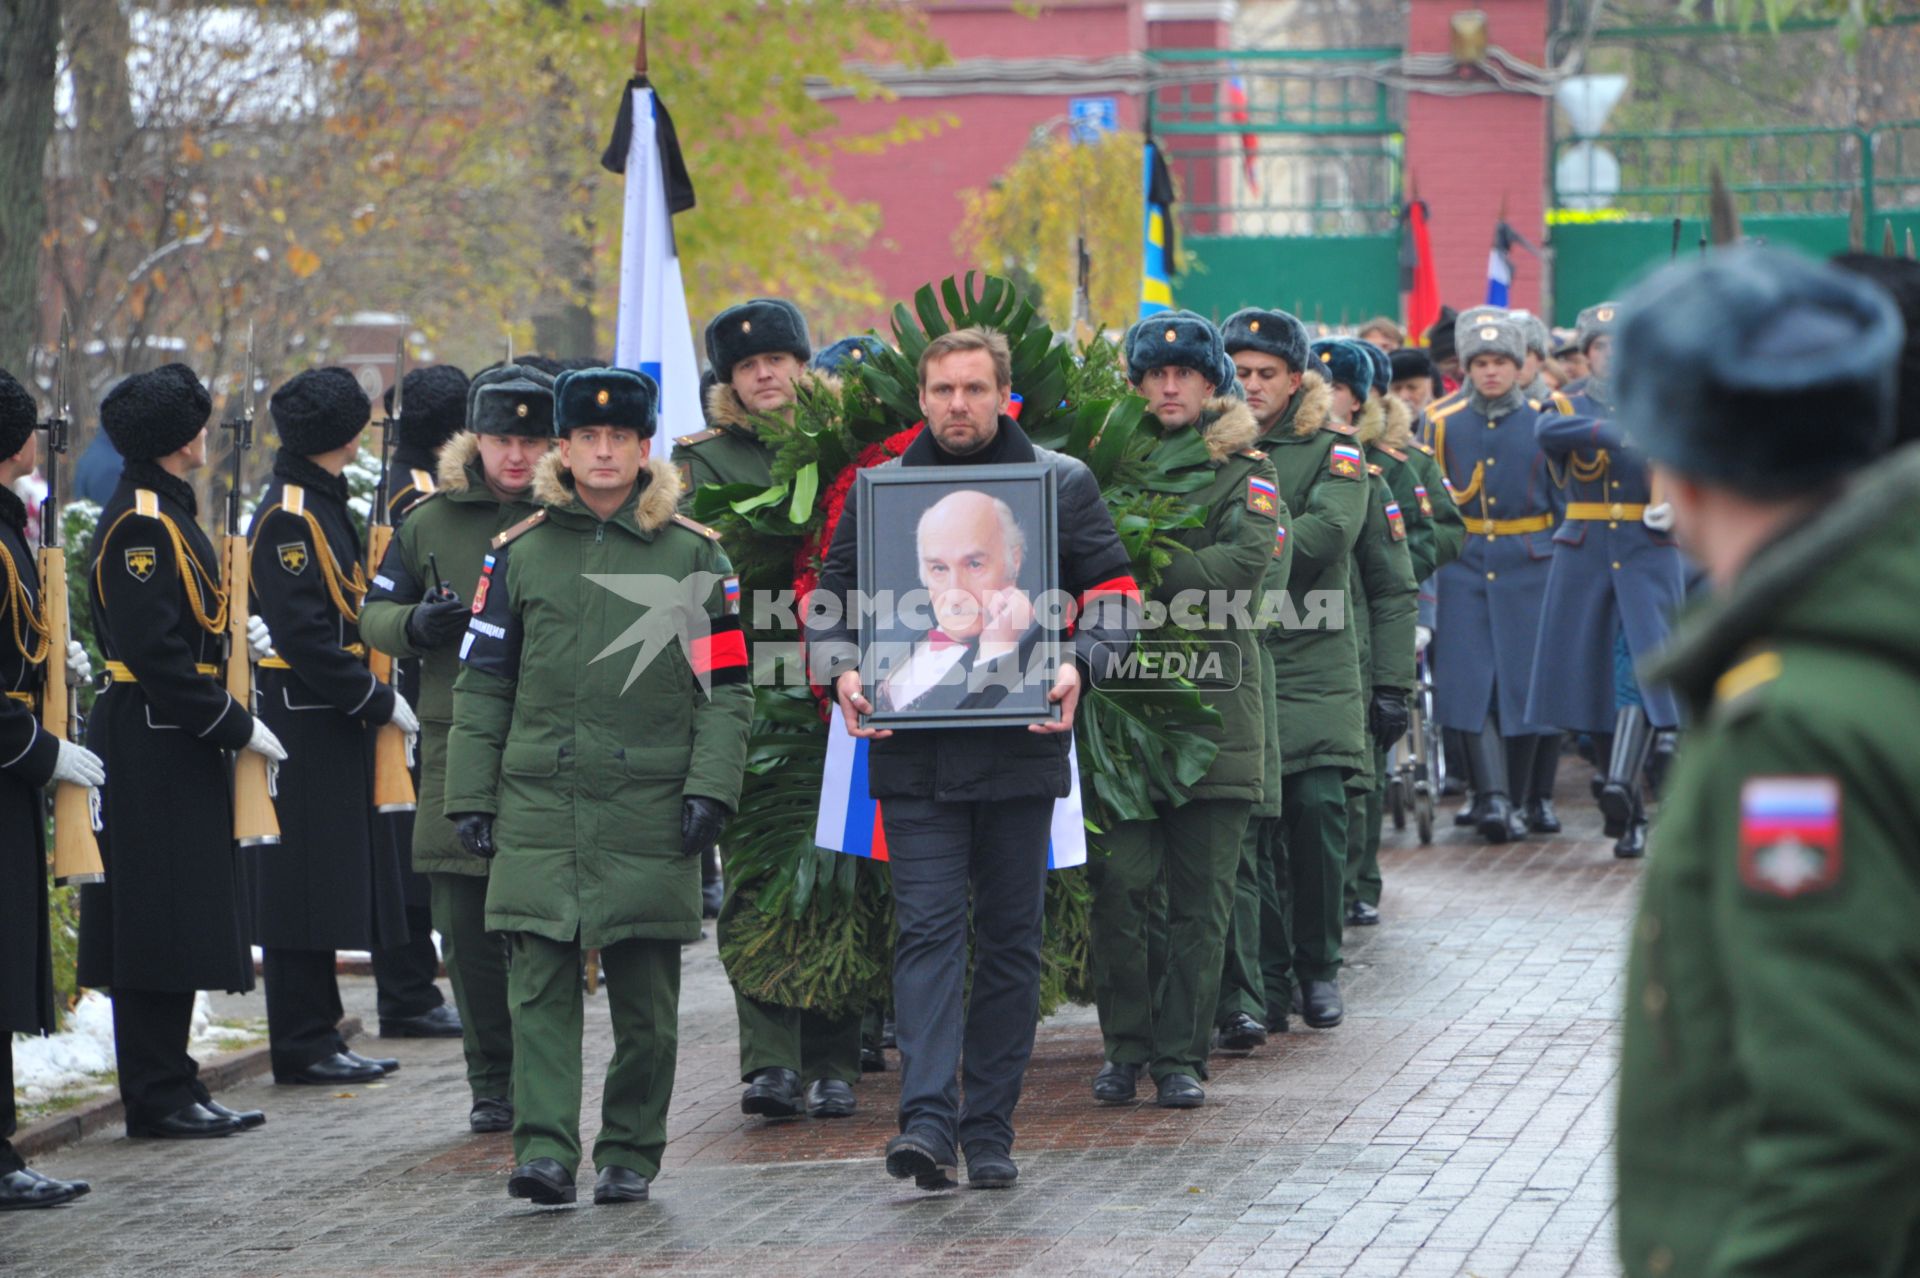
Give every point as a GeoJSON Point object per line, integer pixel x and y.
{"type": "Point", "coordinates": [72, 1060]}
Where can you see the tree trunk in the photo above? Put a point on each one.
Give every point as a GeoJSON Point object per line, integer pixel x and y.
{"type": "Point", "coordinates": [29, 42]}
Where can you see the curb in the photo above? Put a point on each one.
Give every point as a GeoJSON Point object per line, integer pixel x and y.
{"type": "Point", "coordinates": [82, 1121]}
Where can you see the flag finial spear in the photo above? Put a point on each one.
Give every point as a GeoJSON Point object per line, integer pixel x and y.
{"type": "Point", "coordinates": [640, 49]}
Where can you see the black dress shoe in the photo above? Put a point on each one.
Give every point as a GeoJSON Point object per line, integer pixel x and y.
{"type": "Point", "coordinates": [1472, 811]}
{"type": "Point", "coordinates": [619, 1185]}
{"type": "Point", "coordinates": [1116, 1084]}
{"type": "Point", "coordinates": [1541, 818]}
{"type": "Point", "coordinates": [26, 1189]}
{"type": "Point", "coordinates": [830, 1098]}
{"type": "Point", "coordinates": [1633, 844]}
{"type": "Point", "coordinates": [772, 1093]}
{"type": "Point", "coordinates": [1499, 821]}
{"type": "Point", "coordinates": [1322, 1005]}
{"type": "Point", "coordinates": [332, 1071]}
{"type": "Point", "coordinates": [491, 1114]}
{"type": "Point", "coordinates": [1296, 1004]}
{"type": "Point", "coordinates": [247, 1118]}
{"type": "Point", "coordinates": [544, 1182]}
{"type": "Point", "coordinates": [887, 1035]}
{"type": "Point", "coordinates": [1276, 1022]}
{"type": "Point", "coordinates": [927, 1159]}
{"type": "Point", "coordinates": [1179, 1091]}
{"type": "Point", "coordinates": [1241, 1033]}
{"type": "Point", "coordinates": [990, 1167]}
{"type": "Point", "coordinates": [385, 1064]}
{"type": "Point", "coordinates": [195, 1122]}
{"type": "Point", "coordinates": [1360, 914]}
{"type": "Point", "coordinates": [873, 1060]}
{"type": "Point", "coordinates": [442, 1022]}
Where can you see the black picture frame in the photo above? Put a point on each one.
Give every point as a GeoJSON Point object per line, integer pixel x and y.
{"type": "Point", "coordinates": [940, 679]}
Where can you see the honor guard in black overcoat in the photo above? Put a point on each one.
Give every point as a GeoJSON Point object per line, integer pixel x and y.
{"type": "Point", "coordinates": [30, 758]}
{"type": "Point", "coordinates": [171, 917]}
{"type": "Point", "coordinates": [329, 885]}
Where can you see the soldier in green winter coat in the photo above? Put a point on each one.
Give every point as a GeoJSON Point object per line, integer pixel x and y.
{"type": "Point", "coordinates": [1298, 859]}
{"type": "Point", "coordinates": [1770, 1069]}
{"type": "Point", "coordinates": [600, 726]}
{"type": "Point", "coordinates": [485, 476]}
{"type": "Point", "coordinates": [759, 350]}
{"type": "Point", "coordinates": [1158, 1016]}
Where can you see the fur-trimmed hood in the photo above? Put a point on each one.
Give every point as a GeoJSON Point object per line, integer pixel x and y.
{"type": "Point", "coordinates": [725, 410]}
{"type": "Point", "coordinates": [1370, 430]}
{"type": "Point", "coordinates": [1309, 406]}
{"type": "Point", "coordinates": [659, 496]}
{"type": "Point", "coordinates": [1230, 426]}
{"type": "Point", "coordinates": [451, 462]}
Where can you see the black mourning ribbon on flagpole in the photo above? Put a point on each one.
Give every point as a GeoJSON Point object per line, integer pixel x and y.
{"type": "Point", "coordinates": [672, 164]}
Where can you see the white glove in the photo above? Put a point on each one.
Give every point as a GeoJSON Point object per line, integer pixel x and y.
{"type": "Point", "coordinates": [1659, 518]}
{"type": "Point", "coordinates": [1422, 636]}
{"type": "Point", "coordinates": [79, 664]}
{"type": "Point", "coordinates": [259, 640]}
{"type": "Point", "coordinates": [403, 716]}
{"type": "Point", "coordinates": [264, 742]}
{"type": "Point", "coordinates": [78, 765]}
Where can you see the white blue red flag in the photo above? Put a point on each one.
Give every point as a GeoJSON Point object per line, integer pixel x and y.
{"type": "Point", "coordinates": [849, 819]}
{"type": "Point", "coordinates": [653, 332]}
{"type": "Point", "coordinates": [1500, 266]}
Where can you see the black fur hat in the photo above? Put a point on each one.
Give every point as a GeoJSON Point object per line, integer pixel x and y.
{"type": "Point", "coordinates": [1757, 370]}
{"type": "Point", "coordinates": [18, 415]}
{"type": "Point", "coordinates": [605, 397]}
{"type": "Point", "coordinates": [1274, 333]}
{"type": "Point", "coordinates": [759, 327]}
{"type": "Point", "coordinates": [157, 412]}
{"type": "Point", "coordinates": [433, 406]}
{"type": "Point", "coordinates": [1900, 276]}
{"type": "Point", "coordinates": [1410, 362]}
{"type": "Point", "coordinates": [319, 410]}
{"type": "Point", "coordinates": [1177, 339]}
{"type": "Point", "coordinates": [511, 399]}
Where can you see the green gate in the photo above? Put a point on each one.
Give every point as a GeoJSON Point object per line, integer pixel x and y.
{"type": "Point", "coordinates": [1801, 186]}
{"type": "Point", "coordinates": [1291, 202]}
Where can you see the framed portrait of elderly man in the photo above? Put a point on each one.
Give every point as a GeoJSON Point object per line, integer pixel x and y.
{"type": "Point", "coordinates": [958, 620]}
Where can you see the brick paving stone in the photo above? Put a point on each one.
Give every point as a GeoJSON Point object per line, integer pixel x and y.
{"type": "Point", "coordinates": [1458, 1123]}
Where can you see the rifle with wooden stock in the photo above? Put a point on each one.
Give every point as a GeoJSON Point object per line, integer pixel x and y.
{"type": "Point", "coordinates": [392, 765]}
{"type": "Point", "coordinates": [254, 820]}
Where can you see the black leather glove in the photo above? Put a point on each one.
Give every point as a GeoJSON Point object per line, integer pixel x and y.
{"type": "Point", "coordinates": [436, 621]}
{"type": "Point", "coordinates": [1388, 716]}
{"type": "Point", "coordinates": [475, 832]}
{"type": "Point", "coordinates": [701, 820]}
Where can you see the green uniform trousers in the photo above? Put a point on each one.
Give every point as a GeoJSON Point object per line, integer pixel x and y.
{"type": "Point", "coordinates": [643, 996]}
{"type": "Point", "coordinates": [1243, 988]}
{"type": "Point", "coordinates": [1301, 919]}
{"type": "Point", "coordinates": [1365, 812]}
{"type": "Point", "coordinates": [771, 1036]}
{"type": "Point", "coordinates": [1156, 1001]}
{"type": "Point", "coordinates": [476, 962]}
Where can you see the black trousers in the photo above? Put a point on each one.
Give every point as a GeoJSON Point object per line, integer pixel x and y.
{"type": "Point", "coordinates": [303, 1008]}
{"type": "Point", "coordinates": [942, 854]}
{"type": "Point", "coordinates": [403, 975]}
{"type": "Point", "coordinates": [9, 1120]}
{"type": "Point", "coordinates": [150, 1033]}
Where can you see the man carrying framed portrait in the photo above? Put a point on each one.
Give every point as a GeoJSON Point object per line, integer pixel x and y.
{"type": "Point", "coordinates": [975, 683]}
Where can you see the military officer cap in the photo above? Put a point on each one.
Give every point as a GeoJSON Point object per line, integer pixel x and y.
{"type": "Point", "coordinates": [1382, 366]}
{"type": "Point", "coordinates": [1176, 339]}
{"type": "Point", "coordinates": [1408, 363]}
{"type": "Point", "coordinates": [318, 410]}
{"type": "Point", "coordinates": [1440, 335]}
{"type": "Point", "coordinates": [1758, 370]}
{"type": "Point", "coordinates": [1344, 363]}
{"type": "Point", "coordinates": [853, 351]}
{"type": "Point", "coordinates": [157, 412]}
{"type": "Point", "coordinates": [511, 399]}
{"type": "Point", "coordinates": [1489, 331]}
{"type": "Point", "coordinates": [18, 416]}
{"type": "Point", "coordinates": [763, 326]}
{"type": "Point", "coordinates": [606, 397]}
{"type": "Point", "coordinates": [433, 405]}
{"type": "Point", "coordinates": [1594, 323]}
{"type": "Point", "coordinates": [1274, 333]}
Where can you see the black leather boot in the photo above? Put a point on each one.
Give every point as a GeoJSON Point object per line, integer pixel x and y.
{"type": "Point", "coordinates": [1518, 752]}
{"type": "Point", "coordinates": [1660, 758]}
{"type": "Point", "coordinates": [1487, 762]}
{"type": "Point", "coordinates": [1620, 790]}
{"type": "Point", "coordinates": [1541, 818]}
{"type": "Point", "coordinates": [1460, 765]}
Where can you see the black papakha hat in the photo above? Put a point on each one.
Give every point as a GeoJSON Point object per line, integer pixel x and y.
{"type": "Point", "coordinates": [319, 410]}
{"type": "Point", "coordinates": [157, 412]}
{"type": "Point", "coordinates": [1758, 370]}
{"type": "Point", "coordinates": [18, 415]}
{"type": "Point", "coordinates": [433, 406]}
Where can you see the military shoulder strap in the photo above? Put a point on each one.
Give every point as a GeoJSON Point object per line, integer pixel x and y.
{"type": "Point", "coordinates": [698, 437]}
{"type": "Point", "coordinates": [1339, 429]}
{"type": "Point", "coordinates": [1373, 468]}
{"type": "Point", "coordinates": [422, 480]}
{"type": "Point", "coordinates": [1732, 690]}
{"type": "Point", "coordinates": [293, 499]}
{"type": "Point", "coordinates": [1251, 454]}
{"type": "Point", "coordinates": [711, 534]}
{"type": "Point", "coordinates": [418, 502]}
{"type": "Point", "coordinates": [1394, 453]}
{"type": "Point", "coordinates": [146, 503]}
{"type": "Point", "coordinates": [527, 525]}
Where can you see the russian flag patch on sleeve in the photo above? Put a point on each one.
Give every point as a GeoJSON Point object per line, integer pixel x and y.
{"type": "Point", "coordinates": [1262, 497]}
{"type": "Point", "coordinates": [1790, 835]}
{"type": "Point", "coordinates": [1345, 460]}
